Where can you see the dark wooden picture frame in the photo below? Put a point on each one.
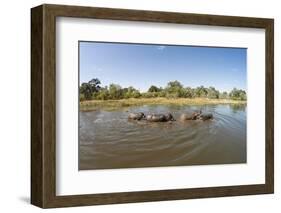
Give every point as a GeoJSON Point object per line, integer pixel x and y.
{"type": "Point", "coordinates": [43, 105]}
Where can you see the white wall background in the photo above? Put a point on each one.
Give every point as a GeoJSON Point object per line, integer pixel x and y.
{"type": "Point", "coordinates": [15, 105]}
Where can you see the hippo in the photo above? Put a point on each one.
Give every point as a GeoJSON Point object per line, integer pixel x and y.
{"type": "Point", "coordinates": [205, 116]}
{"type": "Point", "coordinates": [160, 117]}
{"type": "Point", "coordinates": [193, 116]}
{"type": "Point", "coordinates": [136, 116]}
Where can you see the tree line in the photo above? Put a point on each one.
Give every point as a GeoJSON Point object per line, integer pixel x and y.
{"type": "Point", "coordinates": [93, 90]}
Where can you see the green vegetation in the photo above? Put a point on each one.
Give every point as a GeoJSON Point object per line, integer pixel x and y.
{"type": "Point", "coordinates": [113, 104]}
{"type": "Point", "coordinates": [93, 96]}
{"type": "Point", "coordinates": [236, 94]}
{"type": "Point", "coordinates": [174, 89]}
{"type": "Point", "coordinates": [90, 88]}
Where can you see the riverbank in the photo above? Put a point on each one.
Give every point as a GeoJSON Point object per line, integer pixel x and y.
{"type": "Point", "coordinates": [112, 104]}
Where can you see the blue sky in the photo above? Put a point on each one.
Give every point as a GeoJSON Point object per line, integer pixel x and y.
{"type": "Point", "coordinates": [143, 65]}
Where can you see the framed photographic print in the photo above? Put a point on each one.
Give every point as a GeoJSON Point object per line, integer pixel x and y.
{"type": "Point", "coordinates": [137, 106]}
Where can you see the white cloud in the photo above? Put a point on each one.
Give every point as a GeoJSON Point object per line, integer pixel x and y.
{"type": "Point", "coordinates": [161, 47]}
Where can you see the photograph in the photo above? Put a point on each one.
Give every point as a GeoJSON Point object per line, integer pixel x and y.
{"type": "Point", "coordinates": [155, 105]}
{"type": "Point", "coordinates": [140, 105]}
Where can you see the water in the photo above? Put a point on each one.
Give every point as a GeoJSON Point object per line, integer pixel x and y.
{"type": "Point", "coordinates": [108, 140]}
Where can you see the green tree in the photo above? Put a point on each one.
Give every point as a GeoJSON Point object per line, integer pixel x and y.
{"type": "Point", "coordinates": [115, 91]}
{"type": "Point", "coordinates": [213, 93]}
{"type": "Point", "coordinates": [131, 92]}
{"type": "Point", "coordinates": [189, 92]}
{"type": "Point", "coordinates": [201, 92]}
{"type": "Point", "coordinates": [87, 89]}
{"type": "Point", "coordinates": [174, 89]}
{"type": "Point", "coordinates": [154, 89]}
{"type": "Point", "coordinates": [95, 84]}
{"type": "Point", "coordinates": [223, 95]}
{"type": "Point", "coordinates": [103, 94]}
{"type": "Point", "coordinates": [174, 84]}
{"type": "Point", "coordinates": [238, 94]}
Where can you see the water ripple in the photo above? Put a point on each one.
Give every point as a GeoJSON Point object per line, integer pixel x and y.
{"type": "Point", "coordinates": [109, 140]}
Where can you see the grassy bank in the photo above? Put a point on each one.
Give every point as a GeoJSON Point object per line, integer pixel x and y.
{"type": "Point", "coordinates": [113, 104]}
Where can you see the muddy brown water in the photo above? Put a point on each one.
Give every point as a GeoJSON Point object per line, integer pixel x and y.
{"type": "Point", "coordinates": [107, 140]}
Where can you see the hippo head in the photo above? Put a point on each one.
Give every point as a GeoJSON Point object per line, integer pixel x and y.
{"type": "Point", "coordinates": [169, 117]}
{"type": "Point", "coordinates": [142, 115]}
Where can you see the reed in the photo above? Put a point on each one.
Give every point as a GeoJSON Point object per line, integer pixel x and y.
{"type": "Point", "coordinates": [113, 104]}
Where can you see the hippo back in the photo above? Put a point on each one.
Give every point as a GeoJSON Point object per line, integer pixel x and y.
{"type": "Point", "coordinates": [186, 116]}
{"type": "Point", "coordinates": [206, 116]}
{"type": "Point", "coordinates": [136, 116]}
{"type": "Point", "coordinates": [156, 118]}
{"type": "Point", "coordinates": [169, 117]}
